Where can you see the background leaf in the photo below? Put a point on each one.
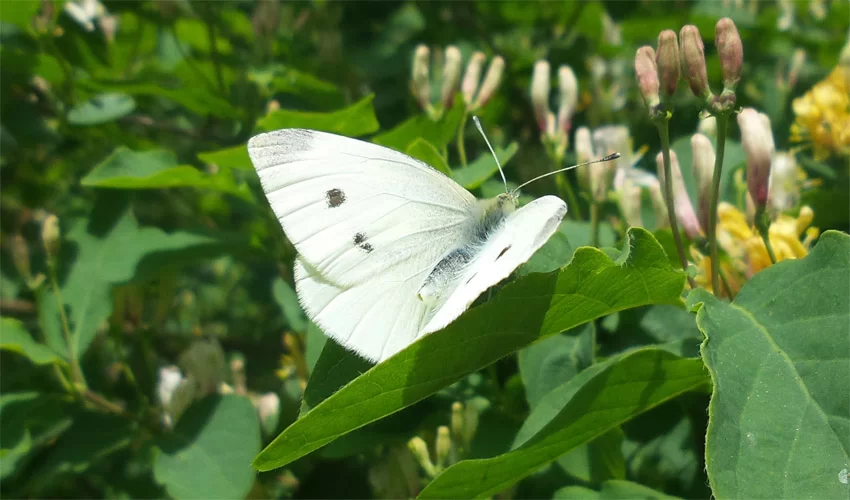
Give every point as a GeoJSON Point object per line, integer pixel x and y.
{"type": "Point", "coordinates": [17, 339]}
{"type": "Point", "coordinates": [101, 109]}
{"type": "Point", "coordinates": [354, 121]}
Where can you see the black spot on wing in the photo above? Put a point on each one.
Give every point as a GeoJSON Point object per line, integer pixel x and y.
{"type": "Point", "coordinates": [503, 252]}
{"type": "Point", "coordinates": [360, 241]}
{"type": "Point", "coordinates": [335, 197]}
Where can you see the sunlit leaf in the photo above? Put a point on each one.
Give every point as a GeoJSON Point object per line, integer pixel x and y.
{"type": "Point", "coordinates": [354, 121]}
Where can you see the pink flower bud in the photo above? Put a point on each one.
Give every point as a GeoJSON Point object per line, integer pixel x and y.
{"type": "Point", "coordinates": [491, 82]}
{"type": "Point", "coordinates": [584, 152]}
{"type": "Point", "coordinates": [681, 201]}
{"type": "Point", "coordinates": [757, 141]}
{"type": "Point", "coordinates": [451, 75]}
{"type": "Point", "coordinates": [540, 80]}
{"type": "Point", "coordinates": [692, 52]}
{"type": "Point", "coordinates": [421, 81]}
{"type": "Point", "coordinates": [703, 159]}
{"type": "Point", "coordinates": [568, 93]}
{"type": "Point", "coordinates": [668, 62]}
{"type": "Point", "coordinates": [472, 77]}
{"type": "Point", "coordinates": [731, 52]}
{"type": "Point", "coordinates": [646, 72]}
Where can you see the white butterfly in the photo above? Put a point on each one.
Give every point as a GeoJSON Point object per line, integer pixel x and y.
{"type": "Point", "coordinates": [389, 249]}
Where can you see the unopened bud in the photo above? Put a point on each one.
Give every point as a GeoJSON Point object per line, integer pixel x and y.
{"type": "Point", "coordinates": [681, 201]}
{"type": "Point", "coordinates": [491, 82]}
{"type": "Point", "coordinates": [443, 445]}
{"type": "Point", "coordinates": [540, 81]}
{"type": "Point", "coordinates": [568, 94]}
{"type": "Point", "coordinates": [628, 196]}
{"type": "Point", "coordinates": [730, 50]}
{"type": "Point", "coordinates": [784, 185]}
{"type": "Point", "coordinates": [51, 236]}
{"type": "Point", "coordinates": [659, 206]}
{"type": "Point", "coordinates": [472, 77]}
{"type": "Point", "coordinates": [470, 424]}
{"type": "Point", "coordinates": [797, 62]}
{"type": "Point", "coordinates": [668, 62]}
{"type": "Point", "coordinates": [646, 71]}
{"type": "Point", "coordinates": [707, 126]}
{"type": "Point", "coordinates": [451, 75]}
{"type": "Point", "coordinates": [703, 159]}
{"type": "Point", "coordinates": [757, 141]}
{"type": "Point", "coordinates": [457, 420]}
{"type": "Point", "coordinates": [21, 257]}
{"type": "Point", "coordinates": [268, 409]}
{"type": "Point", "coordinates": [584, 152]}
{"type": "Point", "coordinates": [692, 52]}
{"type": "Point", "coordinates": [419, 450]}
{"type": "Point", "coordinates": [421, 80]}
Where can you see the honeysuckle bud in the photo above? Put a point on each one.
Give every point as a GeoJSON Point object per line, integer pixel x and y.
{"type": "Point", "coordinates": [757, 141]}
{"type": "Point", "coordinates": [730, 51]}
{"type": "Point", "coordinates": [540, 81]}
{"type": "Point", "coordinates": [583, 146]}
{"type": "Point", "coordinates": [707, 126]}
{"type": "Point", "coordinates": [784, 184]}
{"type": "Point", "coordinates": [601, 174]}
{"type": "Point", "coordinates": [659, 206]}
{"type": "Point", "coordinates": [703, 163]}
{"type": "Point", "coordinates": [472, 77]}
{"type": "Point", "coordinates": [21, 257]}
{"type": "Point", "coordinates": [797, 62]}
{"type": "Point", "coordinates": [491, 82]}
{"type": "Point", "coordinates": [419, 450]}
{"type": "Point", "coordinates": [681, 201]}
{"type": "Point", "coordinates": [668, 62]}
{"type": "Point", "coordinates": [692, 52]}
{"type": "Point", "coordinates": [451, 75]}
{"type": "Point", "coordinates": [628, 197]}
{"type": "Point", "coordinates": [420, 76]}
{"type": "Point", "coordinates": [568, 95]}
{"type": "Point", "coordinates": [786, 19]}
{"type": "Point", "coordinates": [443, 445]}
{"type": "Point", "coordinates": [646, 71]}
{"type": "Point", "coordinates": [268, 409]}
{"type": "Point", "coordinates": [51, 236]}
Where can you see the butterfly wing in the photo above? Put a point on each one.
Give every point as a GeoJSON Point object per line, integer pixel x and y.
{"type": "Point", "coordinates": [523, 232]}
{"type": "Point", "coordinates": [369, 224]}
{"type": "Point", "coordinates": [353, 209]}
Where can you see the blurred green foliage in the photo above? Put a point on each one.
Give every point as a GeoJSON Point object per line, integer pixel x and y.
{"type": "Point", "coordinates": [155, 344]}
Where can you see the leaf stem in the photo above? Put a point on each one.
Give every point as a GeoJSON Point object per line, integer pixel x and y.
{"type": "Point", "coordinates": [76, 371]}
{"type": "Point", "coordinates": [763, 225]}
{"type": "Point", "coordinates": [722, 123]}
{"type": "Point", "coordinates": [663, 125]}
{"type": "Point", "coordinates": [461, 149]}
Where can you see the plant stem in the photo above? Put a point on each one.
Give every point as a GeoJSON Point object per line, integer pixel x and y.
{"type": "Point", "coordinates": [722, 122]}
{"type": "Point", "coordinates": [461, 149]}
{"type": "Point", "coordinates": [594, 223]}
{"type": "Point", "coordinates": [76, 372]}
{"type": "Point", "coordinates": [763, 224]}
{"type": "Point", "coordinates": [663, 124]}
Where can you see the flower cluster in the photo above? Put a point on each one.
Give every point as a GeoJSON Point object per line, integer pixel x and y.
{"type": "Point", "coordinates": [823, 115]}
{"type": "Point", "coordinates": [554, 128]}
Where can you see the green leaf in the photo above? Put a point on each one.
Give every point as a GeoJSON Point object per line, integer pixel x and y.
{"type": "Point", "coordinates": [438, 133]}
{"type": "Point", "coordinates": [102, 108]}
{"type": "Point", "coordinates": [17, 339]}
{"type": "Point", "coordinates": [208, 454]}
{"type": "Point", "coordinates": [335, 367]}
{"type": "Point", "coordinates": [614, 392]}
{"type": "Point", "coordinates": [91, 438]}
{"type": "Point", "coordinates": [28, 420]}
{"type": "Point", "coordinates": [235, 157]}
{"type": "Point", "coordinates": [155, 169]}
{"type": "Point", "coordinates": [474, 174]}
{"type": "Point", "coordinates": [613, 490]}
{"type": "Point", "coordinates": [286, 80]}
{"type": "Point", "coordinates": [560, 248]}
{"type": "Point", "coordinates": [316, 340]}
{"type": "Point", "coordinates": [531, 308]}
{"type": "Point", "coordinates": [20, 13]}
{"type": "Point", "coordinates": [554, 360]}
{"type": "Point", "coordinates": [192, 97]}
{"type": "Point", "coordinates": [424, 151]}
{"type": "Point", "coordinates": [112, 249]}
{"type": "Point", "coordinates": [354, 121]}
{"type": "Point", "coordinates": [288, 301]}
{"type": "Point", "coordinates": [779, 356]}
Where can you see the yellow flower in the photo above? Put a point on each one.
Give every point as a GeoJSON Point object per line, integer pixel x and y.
{"type": "Point", "coordinates": [746, 250]}
{"type": "Point", "coordinates": [823, 115]}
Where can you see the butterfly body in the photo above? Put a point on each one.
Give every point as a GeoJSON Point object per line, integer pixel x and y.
{"type": "Point", "coordinates": [389, 248]}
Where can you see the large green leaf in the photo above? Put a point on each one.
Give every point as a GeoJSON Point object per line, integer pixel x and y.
{"type": "Point", "coordinates": [235, 157]}
{"type": "Point", "coordinates": [474, 174]}
{"type": "Point", "coordinates": [156, 169]}
{"type": "Point", "coordinates": [208, 454]}
{"type": "Point", "coordinates": [425, 151]}
{"type": "Point", "coordinates": [531, 308]}
{"type": "Point", "coordinates": [437, 132]}
{"type": "Point", "coordinates": [560, 248]}
{"type": "Point", "coordinates": [354, 121]}
{"type": "Point", "coordinates": [28, 420]}
{"type": "Point", "coordinates": [610, 394]}
{"type": "Point", "coordinates": [779, 356]}
{"type": "Point", "coordinates": [17, 339]}
{"type": "Point", "coordinates": [102, 108]}
{"type": "Point", "coordinates": [112, 249]}
{"type": "Point", "coordinates": [612, 490]}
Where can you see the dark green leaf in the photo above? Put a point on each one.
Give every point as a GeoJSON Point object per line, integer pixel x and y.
{"type": "Point", "coordinates": [779, 356]}
{"type": "Point", "coordinates": [354, 121]}
{"type": "Point", "coordinates": [612, 490]}
{"type": "Point", "coordinates": [102, 108]}
{"type": "Point", "coordinates": [554, 360]}
{"type": "Point", "coordinates": [558, 251]}
{"type": "Point", "coordinates": [195, 99]}
{"type": "Point", "coordinates": [422, 150]}
{"type": "Point", "coordinates": [17, 339]}
{"type": "Point", "coordinates": [531, 308]}
{"type": "Point", "coordinates": [288, 302]}
{"type": "Point", "coordinates": [208, 454]}
{"type": "Point", "coordinates": [438, 133]}
{"type": "Point", "coordinates": [27, 421]}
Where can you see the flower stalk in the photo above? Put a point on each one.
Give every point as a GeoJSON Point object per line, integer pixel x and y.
{"type": "Point", "coordinates": [722, 123]}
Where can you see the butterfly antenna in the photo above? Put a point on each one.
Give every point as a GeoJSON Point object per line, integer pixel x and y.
{"type": "Point", "coordinates": [612, 156]}
{"type": "Point", "coordinates": [480, 129]}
